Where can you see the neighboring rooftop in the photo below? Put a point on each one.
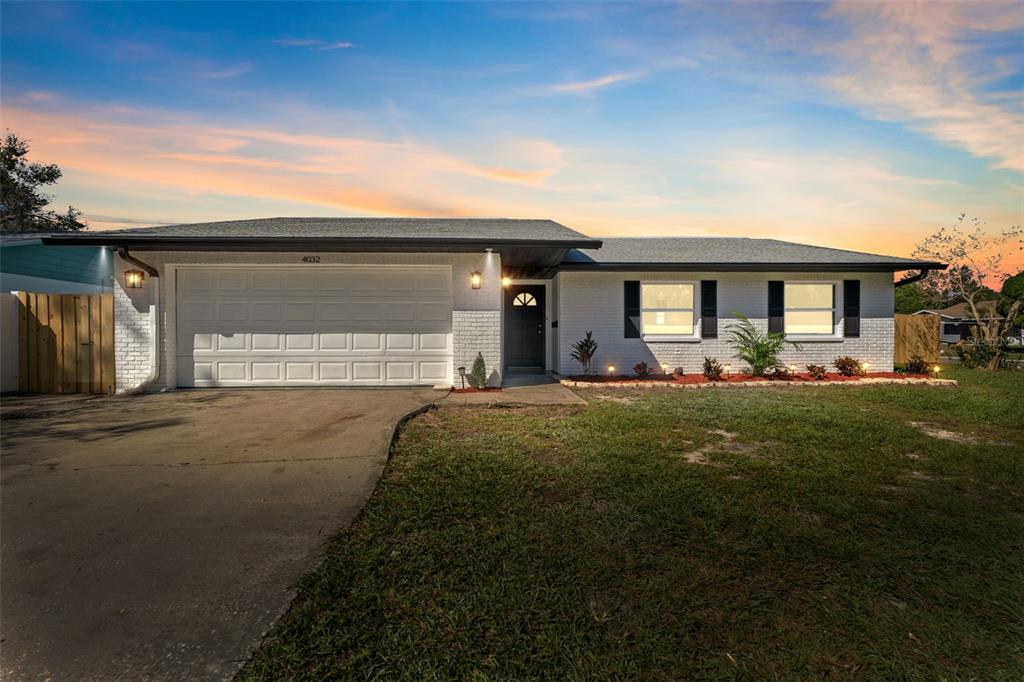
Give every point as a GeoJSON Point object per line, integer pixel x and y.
{"type": "Point", "coordinates": [962, 310]}
{"type": "Point", "coordinates": [475, 230]}
{"type": "Point", "coordinates": [729, 253]}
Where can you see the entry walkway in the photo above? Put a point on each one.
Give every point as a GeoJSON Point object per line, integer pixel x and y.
{"type": "Point", "coordinates": [526, 389]}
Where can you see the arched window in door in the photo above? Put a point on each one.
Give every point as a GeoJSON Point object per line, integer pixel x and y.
{"type": "Point", "coordinates": [524, 299]}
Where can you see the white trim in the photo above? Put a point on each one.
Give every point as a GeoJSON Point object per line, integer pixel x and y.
{"type": "Point", "coordinates": [672, 338]}
{"type": "Point", "coordinates": [836, 335]}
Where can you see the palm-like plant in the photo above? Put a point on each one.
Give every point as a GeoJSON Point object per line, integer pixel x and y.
{"type": "Point", "coordinates": [760, 350]}
{"type": "Point", "coordinates": [583, 351]}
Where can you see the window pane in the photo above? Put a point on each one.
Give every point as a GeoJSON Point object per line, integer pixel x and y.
{"type": "Point", "coordinates": [667, 296]}
{"type": "Point", "coordinates": [809, 295]}
{"type": "Point", "coordinates": [667, 323]}
{"type": "Point", "coordinates": [809, 322]}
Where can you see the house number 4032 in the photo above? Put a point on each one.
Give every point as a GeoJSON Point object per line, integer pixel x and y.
{"type": "Point", "coordinates": [311, 259]}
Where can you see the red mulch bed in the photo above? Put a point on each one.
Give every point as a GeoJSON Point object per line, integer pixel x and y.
{"type": "Point", "coordinates": [489, 389]}
{"type": "Point", "coordinates": [741, 378]}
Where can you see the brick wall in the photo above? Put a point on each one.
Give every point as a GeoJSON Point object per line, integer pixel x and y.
{"type": "Point", "coordinates": [594, 301]}
{"type": "Point", "coordinates": [132, 306]}
{"type": "Point", "coordinates": [477, 331]}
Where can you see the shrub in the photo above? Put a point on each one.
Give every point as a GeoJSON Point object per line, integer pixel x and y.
{"type": "Point", "coordinates": [713, 369]}
{"type": "Point", "coordinates": [642, 370]}
{"type": "Point", "coordinates": [975, 353]}
{"type": "Point", "coordinates": [848, 367]}
{"type": "Point", "coordinates": [478, 375]}
{"type": "Point", "coordinates": [760, 350]}
{"type": "Point", "coordinates": [816, 371]}
{"type": "Point", "coordinates": [583, 351]}
{"type": "Point", "coordinates": [916, 365]}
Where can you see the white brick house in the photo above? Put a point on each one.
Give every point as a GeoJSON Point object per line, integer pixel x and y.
{"type": "Point", "coordinates": [391, 302]}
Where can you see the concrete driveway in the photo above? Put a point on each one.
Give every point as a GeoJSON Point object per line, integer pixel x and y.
{"type": "Point", "coordinates": [158, 536]}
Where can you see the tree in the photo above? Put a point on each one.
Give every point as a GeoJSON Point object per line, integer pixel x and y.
{"type": "Point", "coordinates": [23, 206]}
{"type": "Point", "coordinates": [909, 299]}
{"type": "Point", "coordinates": [975, 256]}
{"type": "Point", "coordinates": [478, 375]}
{"type": "Point", "coordinates": [1012, 292]}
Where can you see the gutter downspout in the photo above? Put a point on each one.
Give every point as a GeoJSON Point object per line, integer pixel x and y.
{"type": "Point", "coordinates": [911, 279]}
{"type": "Point", "coordinates": [154, 321]}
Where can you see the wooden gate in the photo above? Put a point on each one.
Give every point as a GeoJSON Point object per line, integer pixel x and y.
{"type": "Point", "coordinates": [66, 343]}
{"type": "Point", "coordinates": [918, 335]}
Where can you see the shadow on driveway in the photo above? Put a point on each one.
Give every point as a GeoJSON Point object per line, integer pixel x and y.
{"type": "Point", "coordinates": [158, 536]}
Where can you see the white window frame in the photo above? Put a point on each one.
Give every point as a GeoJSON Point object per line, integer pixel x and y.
{"type": "Point", "coordinates": [692, 337]}
{"type": "Point", "coordinates": [836, 304]}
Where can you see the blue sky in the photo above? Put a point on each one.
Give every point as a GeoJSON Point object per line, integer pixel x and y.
{"type": "Point", "coordinates": [851, 124]}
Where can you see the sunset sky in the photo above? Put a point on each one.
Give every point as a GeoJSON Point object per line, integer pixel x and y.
{"type": "Point", "coordinates": [856, 125]}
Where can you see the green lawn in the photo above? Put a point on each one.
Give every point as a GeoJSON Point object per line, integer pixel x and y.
{"type": "Point", "coordinates": [680, 534]}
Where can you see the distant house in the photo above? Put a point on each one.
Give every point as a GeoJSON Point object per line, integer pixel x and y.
{"type": "Point", "coordinates": [958, 320]}
{"type": "Point", "coordinates": [26, 264]}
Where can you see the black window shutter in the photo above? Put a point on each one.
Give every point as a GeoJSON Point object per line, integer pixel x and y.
{"type": "Point", "coordinates": [851, 308]}
{"type": "Point", "coordinates": [776, 306]}
{"type": "Point", "coordinates": [631, 299]}
{"type": "Point", "coordinates": [709, 309]}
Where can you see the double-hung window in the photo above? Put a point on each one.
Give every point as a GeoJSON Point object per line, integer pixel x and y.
{"type": "Point", "coordinates": [810, 308]}
{"type": "Point", "coordinates": [667, 309]}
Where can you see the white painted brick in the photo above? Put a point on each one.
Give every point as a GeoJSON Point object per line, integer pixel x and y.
{"type": "Point", "coordinates": [594, 301]}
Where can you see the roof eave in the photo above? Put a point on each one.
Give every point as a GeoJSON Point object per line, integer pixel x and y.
{"type": "Point", "coordinates": [160, 243]}
{"type": "Point", "coordinates": [754, 267]}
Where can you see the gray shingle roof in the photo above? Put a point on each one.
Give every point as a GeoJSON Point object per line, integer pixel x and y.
{"type": "Point", "coordinates": [724, 252]}
{"type": "Point", "coordinates": [463, 229]}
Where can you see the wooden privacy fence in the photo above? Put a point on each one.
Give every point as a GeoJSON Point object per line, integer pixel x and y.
{"type": "Point", "coordinates": [917, 335]}
{"type": "Point", "coordinates": [66, 343]}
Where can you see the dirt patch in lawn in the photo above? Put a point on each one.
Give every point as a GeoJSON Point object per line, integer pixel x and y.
{"type": "Point", "coordinates": [727, 444]}
{"type": "Point", "coordinates": [936, 431]}
{"type": "Point", "coordinates": [622, 400]}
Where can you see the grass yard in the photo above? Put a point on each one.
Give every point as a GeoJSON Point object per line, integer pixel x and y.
{"type": "Point", "coordinates": [670, 534]}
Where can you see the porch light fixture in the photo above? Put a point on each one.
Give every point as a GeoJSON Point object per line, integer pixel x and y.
{"type": "Point", "coordinates": [506, 281]}
{"type": "Point", "coordinates": [475, 279]}
{"type": "Point", "coordinates": [133, 279]}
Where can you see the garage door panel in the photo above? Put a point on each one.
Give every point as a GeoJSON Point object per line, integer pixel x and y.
{"type": "Point", "coordinates": [232, 371]}
{"type": "Point", "coordinates": [233, 281]}
{"type": "Point", "coordinates": [329, 341]}
{"type": "Point", "coordinates": [263, 342]}
{"type": "Point", "coordinates": [263, 311]}
{"type": "Point", "coordinates": [332, 326]}
{"type": "Point", "coordinates": [266, 371]}
{"type": "Point", "coordinates": [295, 311]}
{"type": "Point", "coordinates": [299, 342]}
{"type": "Point", "coordinates": [366, 371]}
{"type": "Point", "coordinates": [402, 342]}
{"type": "Point", "coordinates": [231, 342]}
{"type": "Point", "coordinates": [367, 342]}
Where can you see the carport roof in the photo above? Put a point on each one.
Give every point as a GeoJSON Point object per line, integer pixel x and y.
{"type": "Point", "coordinates": [415, 232]}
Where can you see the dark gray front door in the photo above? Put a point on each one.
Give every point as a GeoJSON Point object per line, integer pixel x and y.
{"type": "Point", "coordinates": [524, 327]}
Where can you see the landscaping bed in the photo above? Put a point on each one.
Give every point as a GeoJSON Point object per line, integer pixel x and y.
{"type": "Point", "coordinates": [470, 389]}
{"type": "Point", "coordinates": [791, 378]}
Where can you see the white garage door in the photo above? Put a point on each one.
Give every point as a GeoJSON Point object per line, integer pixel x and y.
{"type": "Point", "coordinates": [331, 326]}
